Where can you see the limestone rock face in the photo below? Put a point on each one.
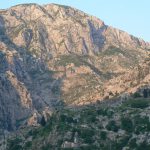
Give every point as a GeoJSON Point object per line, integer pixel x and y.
{"type": "Point", "coordinates": [54, 55]}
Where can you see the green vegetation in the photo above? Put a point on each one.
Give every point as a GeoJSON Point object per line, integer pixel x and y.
{"type": "Point", "coordinates": [138, 103]}
{"type": "Point", "coordinates": [77, 60]}
{"type": "Point", "coordinates": [28, 145]}
{"type": "Point", "coordinates": [133, 143]}
{"type": "Point", "coordinates": [14, 144]}
{"type": "Point", "coordinates": [113, 51]}
{"type": "Point", "coordinates": [103, 135]}
{"type": "Point", "coordinates": [142, 124]}
{"type": "Point", "coordinates": [111, 126]}
{"type": "Point", "coordinates": [126, 124]}
{"type": "Point", "coordinates": [136, 95]}
{"type": "Point", "coordinates": [91, 127]}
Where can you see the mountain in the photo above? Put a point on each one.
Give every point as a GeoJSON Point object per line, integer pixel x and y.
{"type": "Point", "coordinates": [54, 56]}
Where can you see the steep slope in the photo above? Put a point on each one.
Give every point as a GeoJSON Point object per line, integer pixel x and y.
{"type": "Point", "coordinates": [54, 55]}
{"type": "Point", "coordinates": [131, 80]}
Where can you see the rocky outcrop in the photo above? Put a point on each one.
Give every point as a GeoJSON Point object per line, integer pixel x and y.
{"type": "Point", "coordinates": [53, 55]}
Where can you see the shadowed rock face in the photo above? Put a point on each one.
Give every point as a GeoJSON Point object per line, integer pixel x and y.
{"type": "Point", "coordinates": [53, 55]}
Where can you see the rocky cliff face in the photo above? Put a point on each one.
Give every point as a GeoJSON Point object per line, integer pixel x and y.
{"type": "Point", "coordinates": [55, 55]}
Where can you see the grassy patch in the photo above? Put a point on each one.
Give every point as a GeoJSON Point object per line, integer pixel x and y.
{"type": "Point", "coordinates": [113, 51]}
{"type": "Point", "coordinates": [137, 103]}
{"type": "Point", "coordinates": [64, 60]}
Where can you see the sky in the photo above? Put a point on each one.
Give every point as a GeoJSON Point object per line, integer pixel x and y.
{"type": "Point", "coordinates": [132, 16]}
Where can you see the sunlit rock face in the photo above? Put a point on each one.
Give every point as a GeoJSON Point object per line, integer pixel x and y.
{"type": "Point", "coordinates": [53, 55]}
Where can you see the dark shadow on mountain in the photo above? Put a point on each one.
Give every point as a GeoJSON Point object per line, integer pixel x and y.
{"type": "Point", "coordinates": [11, 109]}
{"type": "Point", "coordinates": [34, 74]}
{"type": "Point", "coordinates": [97, 37]}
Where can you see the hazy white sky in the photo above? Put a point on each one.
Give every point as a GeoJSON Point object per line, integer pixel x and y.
{"type": "Point", "coordinates": [132, 16]}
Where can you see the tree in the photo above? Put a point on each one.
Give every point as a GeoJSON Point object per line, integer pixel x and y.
{"type": "Point", "coordinates": [145, 93]}
{"type": "Point", "coordinates": [43, 122]}
{"type": "Point", "coordinates": [126, 124]}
